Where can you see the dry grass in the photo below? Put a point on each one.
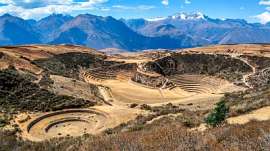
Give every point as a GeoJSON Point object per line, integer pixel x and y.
{"type": "Point", "coordinates": [261, 114]}
{"type": "Point", "coordinates": [247, 101]}
{"type": "Point", "coordinates": [253, 136]}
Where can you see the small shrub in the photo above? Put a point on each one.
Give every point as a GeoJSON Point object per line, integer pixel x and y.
{"type": "Point", "coordinates": [146, 107]}
{"type": "Point", "coordinates": [3, 121]}
{"type": "Point", "coordinates": [109, 131]}
{"type": "Point", "coordinates": [46, 81]}
{"type": "Point", "coordinates": [188, 123]}
{"type": "Point", "coordinates": [218, 115]}
{"type": "Point", "coordinates": [133, 105]}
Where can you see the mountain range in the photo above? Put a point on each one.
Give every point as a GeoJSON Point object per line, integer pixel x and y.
{"type": "Point", "coordinates": [178, 31]}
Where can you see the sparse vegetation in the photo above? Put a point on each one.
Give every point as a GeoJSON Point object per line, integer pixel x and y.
{"type": "Point", "coordinates": [258, 61]}
{"type": "Point", "coordinates": [3, 120]}
{"type": "Point", "coordinates": [20, 94]}
{"type": "Point", "coordinates": [46, 81]}
{"type": "Point", "coordinates": [162, 116]}
{"type": "Point", "coordinates": [68, 64]}
{"type": "Point", "coordinates": [246, 101]}
{"type": "Point", "coordinates": [252, 136]}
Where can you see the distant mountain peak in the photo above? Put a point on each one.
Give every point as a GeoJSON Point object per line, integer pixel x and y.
{"type": "Point", "coordinates": [60, 15]}
{"type": "Point", "coordinates": [189, 16]}
{"type": "Point", "coordinates": [87, 16]}
{"type": "Point", "coordinates": [57, 16]}
{"type": "Point", "coordinates": [8, 16]}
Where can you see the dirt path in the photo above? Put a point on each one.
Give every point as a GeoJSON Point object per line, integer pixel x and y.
{"type": "Point", "coordinates": [165, 84]}
{"type": "Point", "coordinates": [245, 77]}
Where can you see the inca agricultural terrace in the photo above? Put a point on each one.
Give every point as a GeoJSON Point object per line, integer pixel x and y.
{"type": "Point", "coordinates": [74, 91]}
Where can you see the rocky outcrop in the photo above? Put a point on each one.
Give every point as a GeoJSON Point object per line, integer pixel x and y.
{"type": "Point", "coordinates": [260, 79]}
{"type": "Point", "coordinates": [148, 80]}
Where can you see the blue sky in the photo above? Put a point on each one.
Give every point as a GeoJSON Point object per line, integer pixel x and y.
{"type": "Point", "coordinates": [251, 10]}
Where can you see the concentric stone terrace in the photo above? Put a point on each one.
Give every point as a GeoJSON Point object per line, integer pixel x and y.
{"type": "Point", "coordinates": [66, 123]}
{"type": "Point", "coordinates": [199, 84]}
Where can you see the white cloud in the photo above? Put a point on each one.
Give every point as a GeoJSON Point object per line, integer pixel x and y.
{"type": "Point", "coordinates": [40, 8]}
{"type": "Point", "coordinates": [140, 7]}
{"type": "Point", "coordinates": [187, 2]}
{"type": "Point", "coordinates": [6, 1]}
{"type": "Point", "coordinates": [264, 17]}
{"type": "Point", "coordinates": [165, 2]}
{"type": "Point", "coordinates": [264, 2]}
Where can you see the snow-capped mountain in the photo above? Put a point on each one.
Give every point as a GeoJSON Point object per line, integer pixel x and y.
{"type": "Point", "coordinates": [179, 16]}
{"type": "Point", "coordinates": [177, 31]}
{"type": "Point", "coordinates": [202, 29]}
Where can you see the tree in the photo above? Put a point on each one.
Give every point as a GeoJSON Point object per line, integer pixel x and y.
{"type": "Point", "coordinates": [218, 115]}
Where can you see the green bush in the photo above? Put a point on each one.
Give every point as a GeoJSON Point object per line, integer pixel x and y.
{"type": "Point", "coordinates": [218, 115]}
